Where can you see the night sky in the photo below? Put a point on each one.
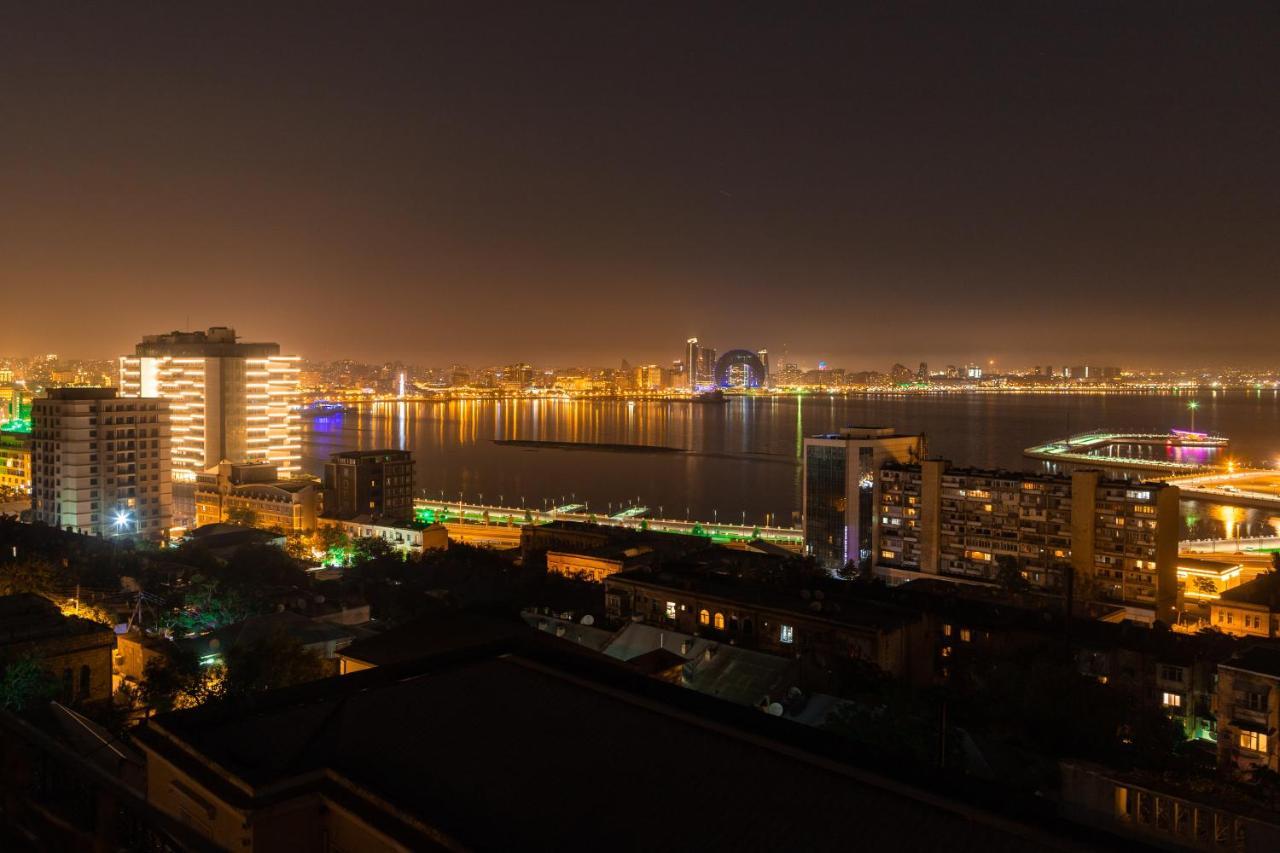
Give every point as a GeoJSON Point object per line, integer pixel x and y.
{"type": "Point", "coordinates": [865, 183]}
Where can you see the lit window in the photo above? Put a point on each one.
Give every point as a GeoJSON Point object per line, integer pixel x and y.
{"type": "Point", "coordinates": [671, 610]}
{"type": "Point", "coordinates": [946, 651]}
{"type": "Point", "coordinates": [946, 630]}
{"type": "Point", "coordinates": [886, 555]}
{"type": "Point", "coordinates": [787, 634]}
{"type": "Point", "coordinates": [719, 621]}
{"type": "Point", "coordinates": [965, 636]}
{"type": "Point", "coordinates": [1253, 741]}
{"type": "Point", "coordinates": [1171, 700]}
{"type": "Point", "coordinates": [704, 617]}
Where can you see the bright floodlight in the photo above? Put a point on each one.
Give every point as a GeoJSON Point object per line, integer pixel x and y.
{"type": "Point", "coordinates": [1194, 404]}
{"type": "Point", "coordinates": [122, 518]}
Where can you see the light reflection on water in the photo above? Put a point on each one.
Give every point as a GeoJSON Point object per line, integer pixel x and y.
{"type": "Point", "coordinates": [742, 457]}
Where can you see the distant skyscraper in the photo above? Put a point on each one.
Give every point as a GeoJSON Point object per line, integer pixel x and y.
{"type": "Point", "coordinates": [691, 363]}
{"type": "Point", "coordinates": [763, 355]}
{"type": "Point", "coordinates": [706, 367]}
{"type": "Point", "coordinates": [100, 463]}
{"type": "Point", "coordinates": [841, 486]}
{"type": "Point", "coordinates": [229, 400]}
{"type": "Point", "coordinates": [922, 373]}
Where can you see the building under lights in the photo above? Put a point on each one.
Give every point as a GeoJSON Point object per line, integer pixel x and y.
{"type": "Point", "coordinates": [100, 463]}
{"type": "Point", "coordinates": [841, 490]}
{"type": "Point", "coordinates": [230, 400]}
{"type": "Point", "coordinates": [1118, 538]}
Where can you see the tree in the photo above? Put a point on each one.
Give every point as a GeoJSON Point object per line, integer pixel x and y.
{"type": "Point", "coordinates": [25, 684]}
{"type": "Point", "coordinates": [206, 605]}
{"type": "Point", "coordinates": [1204, 585]}
{"type": "Point", "coordinates": [276, 660]}
{"type": "Point", "coordinates": [1009, 576]}
{"type": "Point", "coordinates": [33, 574]}
{"type": "Point", "coordinates": [334, 542]}
{"type": "Point", "coordinates": [243, 516]}
{"type": "Point", "coordinates": [369, 548]}
{"type": "Point", "coordinates": [177, 681]}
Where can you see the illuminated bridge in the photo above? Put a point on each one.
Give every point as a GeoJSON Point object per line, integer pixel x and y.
{"type": "Point", "coordinates": [1251, 488]}
{"type": "Point", "coordinates": [496, 524]}
{"type": "Point", "coordinates": [1173, 452]}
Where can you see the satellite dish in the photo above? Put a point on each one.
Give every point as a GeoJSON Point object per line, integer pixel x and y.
{"type": "Point", "coordinates": [774, 709]}
{"type": "Point", "coordinates": [588, 620]}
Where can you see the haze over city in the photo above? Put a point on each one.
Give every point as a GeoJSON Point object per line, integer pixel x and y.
{"type": "Point", "coordinates": [574, 185]}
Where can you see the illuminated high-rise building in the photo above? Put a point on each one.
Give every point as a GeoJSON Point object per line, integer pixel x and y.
{"type": "Point", "coordinates": [763, 355]}
{"type": "Point", "coordinates": [230, 400]}
{"type": "Point", "coordinates": [691, 362]}
{"type": "Point", "coordinates": [100, 463]}
{"type": "Point", "coordinates": [706, 369]}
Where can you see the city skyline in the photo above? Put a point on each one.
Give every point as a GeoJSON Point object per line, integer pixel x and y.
{"type": "Point", "coordinates": [596, 184]}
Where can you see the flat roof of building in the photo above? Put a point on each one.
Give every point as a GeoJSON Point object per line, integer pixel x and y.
{"type": "Point", "coordinates": [389, 455]}
{"type": "Point", "coordinates": [1263, 590]}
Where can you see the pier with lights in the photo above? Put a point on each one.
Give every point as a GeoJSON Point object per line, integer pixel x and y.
{"type": "Point", "coordinates": [1175, 452]}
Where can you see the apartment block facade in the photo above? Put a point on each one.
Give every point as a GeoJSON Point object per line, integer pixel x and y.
{"type": "Point", "coordinates": [1117, 538]}
{"type": "Point", "coordinates": [100, 463]}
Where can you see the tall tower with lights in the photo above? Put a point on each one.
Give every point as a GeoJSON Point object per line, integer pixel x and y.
{"type": "Point", "coordinates": [230, 400]}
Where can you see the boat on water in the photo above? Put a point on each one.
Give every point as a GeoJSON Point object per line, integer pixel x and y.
{"type": "Point", "coordinates": [321, 408]}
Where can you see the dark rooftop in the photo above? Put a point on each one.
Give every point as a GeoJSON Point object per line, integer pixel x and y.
{"type": "Point", "coordinates": [845, 609]}
{"type": "Point", "coordinates": [1263, 590]}
{"type": "Point", "coordinates": [434, 634]}
{"type": "Point", "coordinates": [1264, 660]}
{"type": "Point", "coordinates": [525, 749]}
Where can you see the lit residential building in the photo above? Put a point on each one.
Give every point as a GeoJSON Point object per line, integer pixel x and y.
{"type": "Point", "coordinates": [100, 463]}
{"type": "Point", "coordinates": [841, 490]}
{"type": "Point", "coordinates": [15, 456]}
{"type": "Point", "coordinates": [377, 484]}
{"type": "Point", "coordinates": [1249, 710]}
{"type": "Point", "coordinates": [235, 488]}
{"type": "Point", "coordinates": [230, 400]}
{"type": "Point", "coordinates": [1119, 538]}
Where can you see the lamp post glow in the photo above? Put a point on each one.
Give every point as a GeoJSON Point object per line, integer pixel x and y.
{"type": "Point", "coordinates": [121, 521]}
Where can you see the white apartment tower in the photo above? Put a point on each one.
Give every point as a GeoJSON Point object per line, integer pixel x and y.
{"type": "Point", "coordinates": [230, 400]}
{"type": "Point", "coordinates": [100, 463]}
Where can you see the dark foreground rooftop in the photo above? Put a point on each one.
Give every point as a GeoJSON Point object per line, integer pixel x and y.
{"type": "Point", "coordinates": [531, 748]}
